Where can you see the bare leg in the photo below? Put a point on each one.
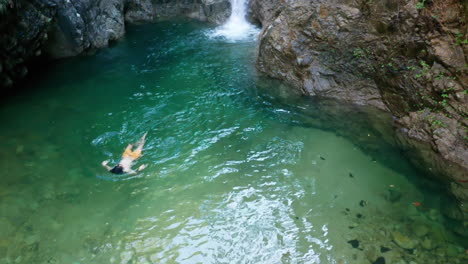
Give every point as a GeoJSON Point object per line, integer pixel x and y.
{"type": "Point", "coordinates": [129, 147]}
{"type": "Point", "coordinates": [141, 143]}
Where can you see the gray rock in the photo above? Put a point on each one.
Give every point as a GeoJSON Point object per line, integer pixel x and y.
{"type": "Point", "coordinates": [213, 11]}
{"type": "Point", "coordinates": [64, 28]}
{"type": "Point", "coordinates": [434, 215]}
{"type": "Point", "coordinates": [453, 250]}
{"type": "Point", "coordinates": [404, 241]}
{"type": "Point", "coordinates": [394, 195]}
{"type": "Point", "coordinates": [427, 244]}
{"type": "Point", "coordinates": [82, 25]}
{"type": "Point", "coordinates": [420, 229]}
{"type": "Point", "coordinates": [139, 11]}
{"type": "Point", "coordinates": [386, 55]}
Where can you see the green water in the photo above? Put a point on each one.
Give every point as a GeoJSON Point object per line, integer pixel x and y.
{"type": "Point", "coordinates": [240, 169]}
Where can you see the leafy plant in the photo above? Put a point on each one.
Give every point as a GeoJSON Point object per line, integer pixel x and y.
{"type": "Point", "coordinates": [424, 64]}
{"type": "Point", "coordinates": [444, 103]}
{"type": "Point", "coordinates": [392, 66]}
{"type": "Point", "coordinates": [359, 53]}
{"type": "Point", "coordinates": [439, 76]}
{"type": "Point", "coordinates": [460, 39]}
{"type": "Point", "coordinates": [420, 5]}
{"type": "Point", "coordinates": [438, 123]}
{"type": "Point", "coordinates": [425, 69]}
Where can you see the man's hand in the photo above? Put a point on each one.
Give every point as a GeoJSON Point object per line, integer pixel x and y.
{"type": "Point", "coordinates": [142, 167]}
{"type": "Point", "coordinates": [104, 163]}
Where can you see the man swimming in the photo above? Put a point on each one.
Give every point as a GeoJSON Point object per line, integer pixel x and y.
{"type": "Point", "coordinates": [128, 157]}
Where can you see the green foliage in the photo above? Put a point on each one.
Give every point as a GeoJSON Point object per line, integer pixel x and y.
{"type": "Point", "coordinates": [444, 103]}
{"type": "Point", "coordinates": [360, 52]}
{"type": "Point", "coordinates": [392, 66]}
{"type": "Point", "coordinates": [425, 69]}
{"type": "Point", "coordinates": [460, 39]}
{"type": "Point", "coordinates": [438, 123]}
{"type": "Point", "coordinates": [420, 5]}
{"type": "Point", "coordinates": [424, 64]}
{"type": "Point", "coordinates": [445, 95]}
{"type": "Point", "coordinates": [439, 76]}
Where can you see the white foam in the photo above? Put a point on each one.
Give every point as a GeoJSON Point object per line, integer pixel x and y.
{"type": "Point", "coordinates": [237, 28]}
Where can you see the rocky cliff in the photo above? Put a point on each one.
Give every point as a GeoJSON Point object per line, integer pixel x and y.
{"type": "Point", "coordinates": [404, 56]}
{"type": "Point", "coordinates": [64, 28]}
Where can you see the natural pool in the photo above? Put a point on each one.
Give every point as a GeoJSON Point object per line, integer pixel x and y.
{"type": "Point", "coordinates": [241, 170]}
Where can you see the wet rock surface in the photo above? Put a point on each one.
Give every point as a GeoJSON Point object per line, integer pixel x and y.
{"type": "Point", "coordinates": [398, 56]}
{"type": "Point", "coordinates": [24, 26]}
{"type": "Point", "coordinates": [33, 31]}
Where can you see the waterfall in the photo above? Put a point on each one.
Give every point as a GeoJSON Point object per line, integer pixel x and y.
{"type": "Point", "coordinates": [236, 28]}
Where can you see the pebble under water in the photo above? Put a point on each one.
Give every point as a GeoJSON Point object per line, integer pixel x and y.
{"type": "Point", "coordinates": [241, 169]}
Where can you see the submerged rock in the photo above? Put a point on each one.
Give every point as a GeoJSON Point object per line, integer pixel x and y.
{"type": "Point", "coordinates": [384, 249]}
{"type": "Point", "coordinates": [453, 251]}
{"type": "Point", "coordinates": [379, 260]}
{"type": "Point", "coordinates": [404, 241]}
{"type": "Point", "coordinates": [57, 28]}
{"type": "Point", "coordinates": [420, 229]}
{"type": "Point", "coordinates": [354, 243]}
{"type": "Point", "coordinates": [394, 195]}
{"type": "Point", "coordinates": [427, 244]}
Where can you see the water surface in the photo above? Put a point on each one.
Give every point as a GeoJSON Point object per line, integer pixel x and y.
{"type": "Point", "coordinates": [241, 170]}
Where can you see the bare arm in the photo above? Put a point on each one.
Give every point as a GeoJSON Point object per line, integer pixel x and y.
{"type": "Point", "coordinates": [104, 164]}
{"type": "Point", "coordinates": [142, 167]}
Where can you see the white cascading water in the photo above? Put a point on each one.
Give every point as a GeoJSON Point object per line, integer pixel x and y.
{"type": "Point", "coordinates": [237, 28]}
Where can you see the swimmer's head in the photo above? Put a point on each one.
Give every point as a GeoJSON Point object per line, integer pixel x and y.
{"type": "Point", "coordinates": [117, 169]}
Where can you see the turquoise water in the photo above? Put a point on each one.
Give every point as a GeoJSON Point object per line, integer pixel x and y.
{"type": "Point", "coordinates": [240, 169]}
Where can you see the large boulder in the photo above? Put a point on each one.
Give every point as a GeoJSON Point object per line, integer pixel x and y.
{"type": "Point", "coordinates": [24, 26]}
{"type": "Point", "coordinates": [396, 55]}
{"type": "Point", "coordinates": [81, 25]}
{"type": "Point", "coordinates": [86, 25]}
{"type": "Point", "coordinates": [214, 11]}
{"type": "Point", "coordinates": [63, 28]}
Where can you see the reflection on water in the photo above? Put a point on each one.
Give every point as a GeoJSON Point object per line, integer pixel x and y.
{"type": "Point", "coordinates": [240, 170]}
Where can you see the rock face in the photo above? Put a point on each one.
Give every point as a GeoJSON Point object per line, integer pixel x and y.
{"type": "Point", "coordinates": [83, 25]}
{"type": "Point", "coordinates": [64, 28]}
{"type": "Point", "coordinates": [24, 27]}
{"type": "Point", "coordinates": [402, 56]}
{"type": "Point", "coordinates": [213, 11]}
